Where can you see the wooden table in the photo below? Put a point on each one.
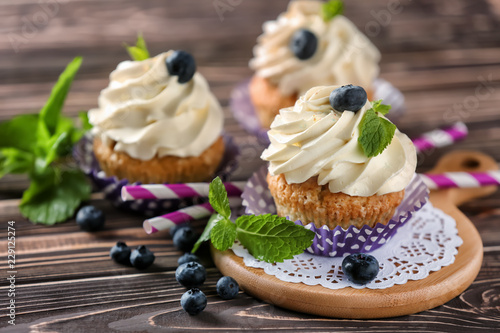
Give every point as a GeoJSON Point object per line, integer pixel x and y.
{"type": "Point", "coordinates": [439, 53]}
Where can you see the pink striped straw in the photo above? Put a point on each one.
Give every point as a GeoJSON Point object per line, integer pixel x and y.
{"type": "Point", "coordinates": [176, 191]}
{"type": "Point", "coordinates": [181, 216]}
{"type": "Point", "coordinates": [461, 179]}
{"type": "Point", "coordinates": [441, 137]}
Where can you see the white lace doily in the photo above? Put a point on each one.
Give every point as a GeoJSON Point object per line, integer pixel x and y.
{"type": "Point", "coordinates": [427, 242]}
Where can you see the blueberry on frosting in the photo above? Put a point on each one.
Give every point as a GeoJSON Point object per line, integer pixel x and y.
{"type": "Point", "coordinates": [348, 98]}
{"type": "Point", "coordinates": [304, 44]}
{"type": "Point", "coordinates": [181, 64]}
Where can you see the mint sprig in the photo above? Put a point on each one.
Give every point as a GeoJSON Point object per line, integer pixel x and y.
{"type": "Point", "coordinates": [217, 196]}
{"type": "Point", "coordinates": [376, 133]}
{"type": "Point", "coordinates": [331, 9]}
{"type": "Point", "coordinates": [267, 237]}
{"type": "Point", "coordinates": [140, 51]}
{"type": "Point", "coordinates": [36, 145]}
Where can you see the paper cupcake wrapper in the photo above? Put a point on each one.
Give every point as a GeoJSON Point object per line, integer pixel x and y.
{"type": "Point", "coordinates": [244, 111]}
{"type": "Point", "coordinates": [112, 186]}
{"type": "Point", "coordinates": [258, 200]}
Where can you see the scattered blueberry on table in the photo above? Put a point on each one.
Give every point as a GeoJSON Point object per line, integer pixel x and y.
{"type": "Point", "coordinates": [176, 228]}
{"type": "Point", "coordinates": [181, 64]}
{"type": "Point", "coordinates": [227, 287]}
{"type": "Point", "coordinates": [360, 268]}
{"type": "Point", "coordinates": [185, 238]}
{"type": "Point", "coordinates": [120, 253]}
{"type": "Point", "coordinates": [304, 44]}
{"type": "Point", "coordinates": [193, 301]}
{"type": "Point", "coordinates": [348, 97]}
{"type": "Point", "coordinates": [90, 218]}
{"type": "Point", "coordinates": [191, 274]}
{"type": "Point", "coordinates": [142, 257]}
{"type": "Point", "coordinates": [187, 257]}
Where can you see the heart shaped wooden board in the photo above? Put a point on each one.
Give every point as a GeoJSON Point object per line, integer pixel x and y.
{"type": "Point", "coordinates": [415, 296]}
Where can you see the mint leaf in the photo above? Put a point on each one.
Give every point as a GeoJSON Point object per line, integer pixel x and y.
{"type": "Point", "coordinates": [140, 51]}
{"type": "Point", "coordinates": [137, 54]}
{"type": "Point", "coordinates": [205, 235]}
{"type": "Point", "coordinates": [141, 43]}
{"type": "Point", "coordinates": [223, 234]}
{"type": "Point", "coordinates": [57, 148]}
{"type": "Point", "coordinates": [84, 119]}
{"type": "Point", "coordinates": [14, 160]}
{"type": "Point", "coordinates": [56, 200]}
{"type": "Point", "coordinates": [331, 9]}
{"type": "Point", "coordinates": [383, 109]}
{"type": "Point", "coordinates": [217, 196]}
{"type": "Point", "coordinates": [272, 238]}
{"type": "Point", "coordinates": [376, 133]}
{"type": "Point", "coordinates": [19, 133]}
{"type": "Point", "coordinates": [50, 113]}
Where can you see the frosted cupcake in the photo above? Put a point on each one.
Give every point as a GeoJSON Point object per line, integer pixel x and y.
{"type": "Point", "coordinates": [158, 122]}
{"type": "Point", "coordinates": [309, 45]}
{"type": "Point", "coordinates": [335, 160]}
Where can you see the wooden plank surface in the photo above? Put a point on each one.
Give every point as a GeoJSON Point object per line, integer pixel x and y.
{"type": "Point", "coordinates": [437, 52]}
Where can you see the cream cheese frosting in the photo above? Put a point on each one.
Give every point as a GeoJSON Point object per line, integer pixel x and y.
{"type": "Point", "coordinates": [344, 54]}
{"type": "Point", "coordinates": [312, 139]}
{"type": "Point", "coordinates": [147, 113]}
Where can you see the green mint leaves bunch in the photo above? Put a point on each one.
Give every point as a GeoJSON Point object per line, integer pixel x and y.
{"type": "Point", "coordinates": [331, 9]}
{"type": "Point", "coordinates": [140, 51]}
{"type": "Point", "coordinates": [376, 132]}
{"type": "Point", "coordinates": [267, 237]}
{"type": "Point", "coordinates": [36, 145]}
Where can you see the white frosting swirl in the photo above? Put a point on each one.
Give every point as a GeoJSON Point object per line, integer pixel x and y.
{"type": "Point", "coordinates": [147, 113]}
{"type": "Point", "coordinates": [311, 139]}
{"type": "Point", "coordinates": [344, 54]}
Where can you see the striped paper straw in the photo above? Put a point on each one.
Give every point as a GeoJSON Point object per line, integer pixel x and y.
{"type": "Point", "coordinates": [176, 191]}
{"type": "Point", "coordinates": [441, 137]}
{"type": "Point", "coordinates": [461, 179]}
{"type": "Point", "coordinates": [182, 216]}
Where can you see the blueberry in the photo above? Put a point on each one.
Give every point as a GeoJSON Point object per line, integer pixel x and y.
{"type": "Point", "coordinates": [304, 44]}
{"type": "Point", "coordinates": [194, 301]}
{"type": "Point", "coordinates": [185, 238]}
{"type": "Point", "coordinates": [350, 98]}
{"type": "Point", "coordinates": [187, 257]}
{"type": "Point", "coordinates": [227, 287]}
{"type": "Point", "coordinates": [181, 64]}
{"type": "Point", "coordinates": [90, 218]}
{"type": "Point", "coordinates": [120, 253]}
{"type": "Point", "coordinates": [176, 228]}
{"type": "Point", "coordinates": [191, 274]}
{"type": "Point", "coordinates": [360, 268]}
{"type": "Point", "coordinates": [141, 257]}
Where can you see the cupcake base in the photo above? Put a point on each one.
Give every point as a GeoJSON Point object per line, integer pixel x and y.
{"type": "Point", "coordinates": [310, 202]}
{"type": "Point", "coordinates": [268, 100]}
{"type": "Point", "coordinates": [167, 169]}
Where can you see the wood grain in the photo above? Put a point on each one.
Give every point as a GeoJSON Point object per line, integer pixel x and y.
{"type": "Point", "coordinates": [434, 51]}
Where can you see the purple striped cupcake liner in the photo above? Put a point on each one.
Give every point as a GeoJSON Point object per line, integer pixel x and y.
{"type": "Point", "coordinates": [338, 242]}
{"type": "Point", "coordinates": [112, 186]}
{"type": "Point", "coordinates": [243, 110]}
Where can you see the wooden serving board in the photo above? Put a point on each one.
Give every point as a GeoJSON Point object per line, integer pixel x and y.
{"type": "Point", "coordinates": [414, 296]}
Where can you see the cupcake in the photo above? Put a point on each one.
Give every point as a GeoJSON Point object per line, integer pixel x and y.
{"type": "Point", "coordinates": [335, 160]}
{"type": "Point", "coordinates": [158, 122]}
{"type": "Point", "coordinates": [308, 46]}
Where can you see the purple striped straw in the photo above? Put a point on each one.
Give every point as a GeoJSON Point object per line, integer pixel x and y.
{"type": "Point", "coordinates": [176, 191]}
{"type": "Point", "coordinates": [181, 216]}
{"type": "Point", "coordinates": [461, 179]}
{"type": "Point", "coordinates": [441, 137]}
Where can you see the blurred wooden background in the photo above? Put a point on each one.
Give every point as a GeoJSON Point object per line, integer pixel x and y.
{"type": "Point", "coordinates": [443, 55]}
